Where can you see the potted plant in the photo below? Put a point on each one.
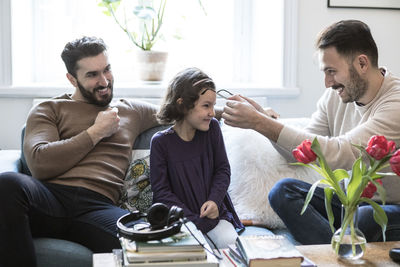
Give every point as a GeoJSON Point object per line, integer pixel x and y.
{"type": "Point", "coordinates": [142, 23]}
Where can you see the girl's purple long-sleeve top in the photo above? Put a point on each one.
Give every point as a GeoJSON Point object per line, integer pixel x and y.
{"type": "Point", "coordinates": [187, 174]}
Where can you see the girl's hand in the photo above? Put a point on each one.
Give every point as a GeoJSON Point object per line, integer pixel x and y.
{"type": "Point", "coordinates": [209, 209]}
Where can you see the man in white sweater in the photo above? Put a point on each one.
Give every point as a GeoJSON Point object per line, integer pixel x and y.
{"type": "Point", "coordinates": [362, 100]}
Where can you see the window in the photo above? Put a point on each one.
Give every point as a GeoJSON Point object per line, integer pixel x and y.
{"type": "Point", "coordinates": [237, 41]}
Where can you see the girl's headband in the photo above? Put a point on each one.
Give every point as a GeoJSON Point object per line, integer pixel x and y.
{"type": "Point", "coordinates": [201, 81]}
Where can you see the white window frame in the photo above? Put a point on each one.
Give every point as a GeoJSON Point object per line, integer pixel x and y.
{"type": "Point", "coordinates": [138, 90]}
{"type": "Point", "coordinates": [5, 43]}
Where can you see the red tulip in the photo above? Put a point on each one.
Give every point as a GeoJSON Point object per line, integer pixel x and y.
{"type": "Point", "coordinates": [395, 162]}
{"type": "Point", "coordinates": [370, 189]}
{"type": "Point", "coordinates": [303, 153]}
{"type": "Point", "coordinates": [392, 146]}
{"type": "Point", "coordinates": [378, 147]}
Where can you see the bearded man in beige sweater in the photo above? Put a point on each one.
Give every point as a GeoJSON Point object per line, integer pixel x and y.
{"type": "Point", "coordinates": [362, 100]}
{"type": "Point", "coordinates": [78, 148]}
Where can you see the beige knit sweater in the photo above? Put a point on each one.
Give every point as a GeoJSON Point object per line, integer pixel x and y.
{"type": "Point", "coordinates": [338, 125]}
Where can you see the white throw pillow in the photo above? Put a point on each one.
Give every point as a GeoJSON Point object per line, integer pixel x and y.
{"type": "Point", "coordinates": [255, 167]}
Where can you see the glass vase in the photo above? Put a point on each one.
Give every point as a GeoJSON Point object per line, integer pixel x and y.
{"type": "Point", "coordinates": [348, 241]}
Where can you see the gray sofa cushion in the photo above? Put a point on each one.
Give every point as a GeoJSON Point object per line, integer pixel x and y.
{"type": "Point", "coordinates": [24, 166]}
{"type": "Point", "coordinates": [143, 140]}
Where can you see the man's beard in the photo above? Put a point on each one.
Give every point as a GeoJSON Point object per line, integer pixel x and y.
{"type": "Point", "coordinates": [91, 98]}
{"type": "Point", "coordinates": [357, 86]}
{"type": "Point", "coordinates": [355, 89]}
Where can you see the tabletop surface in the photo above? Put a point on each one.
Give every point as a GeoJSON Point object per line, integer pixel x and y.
{"type": "Point", "coordinates": [376, 254]}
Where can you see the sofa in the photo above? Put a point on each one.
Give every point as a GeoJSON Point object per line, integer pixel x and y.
{"type": "Point", "coordinates": [252, 158]}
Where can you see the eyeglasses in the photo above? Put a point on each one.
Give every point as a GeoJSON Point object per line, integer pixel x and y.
{"type": "Point", "coordinates": [224, 93]}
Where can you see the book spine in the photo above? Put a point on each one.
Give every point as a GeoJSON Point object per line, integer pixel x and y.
{"type": "Point", "coordinates": [229, 258]}
{"type": "Point", "coordinates": [241, 250]}
{"type": "Point", "coordinates": [237, 258]}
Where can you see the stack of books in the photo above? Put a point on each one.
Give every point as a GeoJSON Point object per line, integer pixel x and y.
{"type": "Point", "coordinates": [177, 250]}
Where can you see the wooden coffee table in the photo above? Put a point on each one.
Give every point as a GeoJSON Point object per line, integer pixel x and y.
{"type": "Point", "coordinates": [376, 254]}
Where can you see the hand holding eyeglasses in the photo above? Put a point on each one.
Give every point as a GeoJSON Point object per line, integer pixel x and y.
{"type": "Point", "coordinates": [229, 96]}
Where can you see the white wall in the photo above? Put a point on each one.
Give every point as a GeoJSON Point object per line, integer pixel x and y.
{"type": "Point", "coordinates": [313, 16]}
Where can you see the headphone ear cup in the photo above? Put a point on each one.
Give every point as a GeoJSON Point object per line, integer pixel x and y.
{"type": "Point", "coordinates": [175, 213]}
{"type": "Point", "coordinates": [157, 215]}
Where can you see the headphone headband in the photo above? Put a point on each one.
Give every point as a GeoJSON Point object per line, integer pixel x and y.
{"type": "Point", "coordinates": [145, 234]}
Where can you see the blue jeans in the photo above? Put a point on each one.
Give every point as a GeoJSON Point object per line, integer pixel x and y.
{"type": "Point", "coordinates": [287, 198]}
{"type": "Point", "coordinates": [31, 208]}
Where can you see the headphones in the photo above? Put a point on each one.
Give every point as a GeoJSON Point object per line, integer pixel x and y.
{"type": "Point", "coordinates": [161, 222]}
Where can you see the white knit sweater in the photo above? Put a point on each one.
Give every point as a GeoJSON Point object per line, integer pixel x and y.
{"type": "Point", "coordinates": [338, 125]}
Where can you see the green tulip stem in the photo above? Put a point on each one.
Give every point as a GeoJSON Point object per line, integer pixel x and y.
{"type": "Point", "coordinates": [348, 221]}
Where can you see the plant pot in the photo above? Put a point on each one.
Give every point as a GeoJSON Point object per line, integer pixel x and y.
{"type": "Point", "coordinates": [151, 65]}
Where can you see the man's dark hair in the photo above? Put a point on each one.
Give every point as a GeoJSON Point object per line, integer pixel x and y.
{"type": "Point", "coordinates": [350, 38]}
{"type": "Point", "coordinates": [81, 48]}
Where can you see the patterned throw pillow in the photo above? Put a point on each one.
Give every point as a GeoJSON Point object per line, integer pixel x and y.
{"type": "Point", "coordinates": [136, 193]}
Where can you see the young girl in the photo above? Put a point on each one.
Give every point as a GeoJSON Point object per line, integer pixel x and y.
{"type": "Point", "coordinates": [189, 167]}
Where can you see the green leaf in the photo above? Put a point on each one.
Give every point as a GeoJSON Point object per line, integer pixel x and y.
{"type": "Point", "coordinates": [107, 13]}
{"type": "Point", "coordinates": [359, 190]}
{"type": "Point", "coordinates": [144, 12]}
{"type": "Point", "coordinates": [315, 146]}
{"type": "Point", "coordinates": [360, 147]}
{"type": "Point", "coordinates": [376, 175]}
{"type": "Point", "coordinates": [380, 216]}
{"type": "Point", "coordinates": [340, 174]}
{"type": "Point", "coordinates": [313, 166]}
{"type": "Point", "coordinates": [327, 172]}
{"type": "Point", "coordinates": [381, 191]}
{"type": "Point", "coordinates": [353, 191]}
{"type": "Point", "coordinates": [309, 196]}
{"type": "Point", "coordinates": [364, 152]}
{"type": "Point", "coordinates": [327, 182]}
{"type": "Point", "coordinates": [328, 206]}
{"type": "Point", "coordinates": [300, 164]}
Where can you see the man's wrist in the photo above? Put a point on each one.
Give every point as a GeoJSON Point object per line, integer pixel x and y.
{"type": "Point", "coordinates": [268, 126]}
{"type": "Point", "coordinates": [260, 121]}
{"type": "Point", "coordinates": [93, 135]}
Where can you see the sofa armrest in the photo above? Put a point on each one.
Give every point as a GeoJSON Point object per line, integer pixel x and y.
{"type": "Point", "coordinates": [10, 160]}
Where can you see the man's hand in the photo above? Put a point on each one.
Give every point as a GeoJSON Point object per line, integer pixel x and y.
{"type": "Point", "coordinates": [209, 209]}
{"type": "Point", "coordinates": [105, 125]}
{"type": "Point", "coordinates": [241, 112]}
{"type": "Point", "coordinates": [267, 111]}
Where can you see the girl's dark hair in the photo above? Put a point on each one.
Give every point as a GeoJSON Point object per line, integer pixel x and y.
{"type": "Point", "coordinates": [186, 85]}
{"type": "Point", "coordinates": [81, 48]}
{"type": "Point", "coordinates": [349, 37]}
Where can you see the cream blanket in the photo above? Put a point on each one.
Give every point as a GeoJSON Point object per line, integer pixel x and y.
{"type": "Point", "coordinates": [256, 166]}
